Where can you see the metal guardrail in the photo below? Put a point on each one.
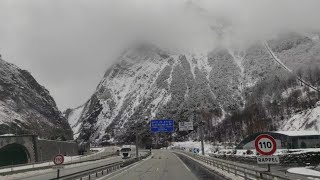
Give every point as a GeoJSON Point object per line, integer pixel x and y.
{"type": "Point", "coordinates": [237, 170]}
{"type": "Point", "coordinates": [102, 170]}
{"type": "Point", "coordinates": [94, 172]}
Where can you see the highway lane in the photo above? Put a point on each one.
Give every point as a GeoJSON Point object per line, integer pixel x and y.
{"type": "Point", "coordinates": [52, 173]}
{"type": "Point", "coordinates": [162, 165]}
{"type": "Point", "coordinates": [69, 169]}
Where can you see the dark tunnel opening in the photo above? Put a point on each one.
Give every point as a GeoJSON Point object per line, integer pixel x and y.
{"type": "Point", "coordinates": [13, 154]}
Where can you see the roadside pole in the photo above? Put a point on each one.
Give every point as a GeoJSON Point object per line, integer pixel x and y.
{"type": "Point", "coordinates": [137, 150]}
{"type": "Point", "coordinates": [58, 173]}
{"type": "Point", "coordinates": [201, 136]}
{"type": "Point", "coordinates": [172, 139]}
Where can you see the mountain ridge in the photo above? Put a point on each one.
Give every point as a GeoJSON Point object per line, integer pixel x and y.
{"type": "Point", "coordinates": [146, 85]}
{"type": "Point", "coordinates": [27, 107]}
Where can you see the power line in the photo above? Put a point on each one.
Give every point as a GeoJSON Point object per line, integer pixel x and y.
{"type": "Point", "coordinates": [287, 69]}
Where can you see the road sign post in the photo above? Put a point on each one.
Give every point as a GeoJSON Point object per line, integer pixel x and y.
{"type": "Point", "coordinates": [58, 161]}
{"type": "Point", "coordinates": [266, 146]}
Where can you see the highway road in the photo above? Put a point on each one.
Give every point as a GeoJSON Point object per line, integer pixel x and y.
{"type": "Point", "coordinates": [52, 173]}
{"type": "Point", "coordinates": [69, 169]}
{"type": "Point", "coordinates": [162, 165]}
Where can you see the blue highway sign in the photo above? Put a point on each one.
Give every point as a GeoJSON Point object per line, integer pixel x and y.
{"type": "Point", "coordinates": [162, 126]}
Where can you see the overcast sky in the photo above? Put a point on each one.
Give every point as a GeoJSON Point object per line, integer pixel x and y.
{"type": "Point", "coordinates": [67, 45]}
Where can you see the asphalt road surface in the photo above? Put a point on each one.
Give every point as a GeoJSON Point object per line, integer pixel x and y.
{"type": "Point", "coordinates": [162, 165]}
{"type": "Point", "coordinates": [73, 169]}
{"type": "Point", "coordinates": [69, 169]}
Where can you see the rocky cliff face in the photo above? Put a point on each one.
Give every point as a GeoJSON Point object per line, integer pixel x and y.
{"type": "Point", "coordinates": [27, 107]}
{"type": "Point", "coordinates": [150, 83]}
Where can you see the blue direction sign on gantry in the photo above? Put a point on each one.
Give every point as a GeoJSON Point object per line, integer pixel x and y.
{"type": "Point", "coordinates": [162, 126]}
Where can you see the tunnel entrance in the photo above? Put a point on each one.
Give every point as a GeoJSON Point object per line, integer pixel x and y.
{"type": "Point", "coordinates": [13, 154]}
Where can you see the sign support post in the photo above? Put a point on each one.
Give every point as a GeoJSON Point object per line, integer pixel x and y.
{"type": "Point", "coordinates": [137, 150]}
{"type": "Point", "coordinates": [58, 173]}
{"type": "Point", "coordinates": [201, 136]}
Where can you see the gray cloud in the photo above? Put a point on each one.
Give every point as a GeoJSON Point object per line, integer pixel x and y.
{"type": "Point", "coordinates": [67, 45]}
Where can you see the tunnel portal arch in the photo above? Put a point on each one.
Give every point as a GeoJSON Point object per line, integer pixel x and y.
{"type": "Point", "coordinates": [14, 153]}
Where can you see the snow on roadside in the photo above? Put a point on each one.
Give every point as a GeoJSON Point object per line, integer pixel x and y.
{"type": "Point", "coordinates": [208, 148]}
{"type": "Point", "coordinates": [304, 171]}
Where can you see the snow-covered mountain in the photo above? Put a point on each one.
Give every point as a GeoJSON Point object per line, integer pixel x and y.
{"type": "Point", "coordinates": [27, 107]}
{"type": "Point", "coordinates": [150, 83]}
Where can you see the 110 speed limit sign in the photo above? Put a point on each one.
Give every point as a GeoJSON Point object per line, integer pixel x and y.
{"type": "Point", "coordinates": [265, 145]}
{"type": "Point", "coordinates": [58, 159]}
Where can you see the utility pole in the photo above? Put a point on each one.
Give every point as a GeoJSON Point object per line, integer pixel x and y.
{"type": "Point", "coordinates": [201, 137]}
{"type": "Point", "coordinates": [137, 150]}
{"type": "Point", "coordinates": [198, 112]}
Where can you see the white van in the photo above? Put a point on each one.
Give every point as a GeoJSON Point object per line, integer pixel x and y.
{"type": "Point", "coordinates": [128, 151]}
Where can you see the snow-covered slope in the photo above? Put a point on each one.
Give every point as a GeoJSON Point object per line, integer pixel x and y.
{"type": "Point", "coordinates": [305, 120]}
{"type": "Point", "coordinates": [73, 117]}
{"type": "Point", "coordinates": [26, 107]}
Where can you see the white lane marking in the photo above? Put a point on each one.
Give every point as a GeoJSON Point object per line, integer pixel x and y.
{"type": "Point", "coordinates": [138, 163]}
{"type": "Point", "coordinates": [182, 163]}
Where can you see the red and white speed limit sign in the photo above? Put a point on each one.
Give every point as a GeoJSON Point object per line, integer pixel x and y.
{"type": "Point", "coordinates": [265, 144]}
{"type": "Point", "coordinates": [58, 159]}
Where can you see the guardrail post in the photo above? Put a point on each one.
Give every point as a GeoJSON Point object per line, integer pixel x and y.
{"type": "Point", "coordinates": [96, 174]}
{"type": "Point", "coordinates": [235, 170]}
{"type": "Point", "coordinates": [102, 172]}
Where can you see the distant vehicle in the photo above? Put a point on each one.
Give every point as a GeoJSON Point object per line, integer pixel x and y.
{"type": "Point", "coordinates": [128, 151]}
{"type": "Point", "coordinates": [84, 147]}
{"type": "Point", "coordinates": [318, 103]}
